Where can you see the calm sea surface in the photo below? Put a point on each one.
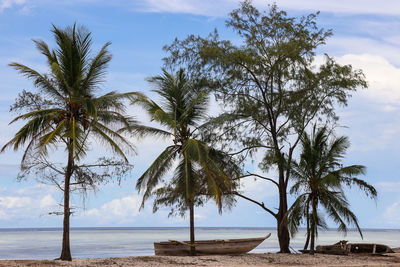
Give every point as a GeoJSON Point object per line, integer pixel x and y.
{"type": "Point", "coordinates": [118, 242]}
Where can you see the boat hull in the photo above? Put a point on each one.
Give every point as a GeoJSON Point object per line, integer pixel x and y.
{"type": "Point", "coordinates": [208, 247]}
{"type": "Point", "coordinates": [356, 248]}
{"type": "Point", "coordinates": [369, 248]}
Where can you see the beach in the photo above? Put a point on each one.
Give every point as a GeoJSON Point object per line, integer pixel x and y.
{"type": "Point", "coordinates": [45, 243]}
{"type": "Point", "coordinates": [134, 247]}
{"type": "Point", "coordinates": [255, 259]}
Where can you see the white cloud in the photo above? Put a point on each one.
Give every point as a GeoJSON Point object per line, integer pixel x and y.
{"type": "Point", "coordinates": [14, 202]}
{"type": "Point", "coordinates": [48, 202]}
{"type": "Point", "coordinates": [125, 207]}
{"type": "Point", "coordinates": [391, 7]}
{"type": "Point", "coordinates": [392, 214]}
{"type": "Point", "coordinates": [37, 190]}
{"type": "Point", "coordinates": [10, 3]}
{"type": "Point", "coordinates": [342, 45]}
{"type": "Point", "coordinates": [389, 186]}
{"type": "Point", "coordinates": [223, 7]}
{"type": "Point", "coordinates": [14, 208]}
{"type": "Point", "coordinates": [205, 7]}
{"type": "Point", "coordinates": [121, 210]}
{"type": "Point", "coordinates": [27, 202]}
{"type": "Point", "coordinates": [258, 188]}
{"type": "Point", "coordinates": [382, 76]}
{"type": "Point", "coordinates": [198, 216]}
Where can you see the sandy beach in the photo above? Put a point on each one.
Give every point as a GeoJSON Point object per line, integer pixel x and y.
{"type": "Point", "coordinates": [265, 259]}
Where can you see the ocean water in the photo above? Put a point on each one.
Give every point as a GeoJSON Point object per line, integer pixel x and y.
{"type": "Point", "coordinates": [119, 242]}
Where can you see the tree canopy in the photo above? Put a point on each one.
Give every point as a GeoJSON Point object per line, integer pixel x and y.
{"type": "Point", "coordinates": [271, 87]}
{"type": "Point", "coordinates": [67, 111]}
{"type": "Point", "coordinates": [318, 180]}
{"type": "Point", "coordinates": [201, 172]}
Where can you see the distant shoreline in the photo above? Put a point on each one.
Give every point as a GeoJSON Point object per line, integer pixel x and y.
{"type": "Point", "coordinates": [172, 228]}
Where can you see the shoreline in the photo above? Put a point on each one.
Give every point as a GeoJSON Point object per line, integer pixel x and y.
{"type": "Point", "coordinates": [253, 259]}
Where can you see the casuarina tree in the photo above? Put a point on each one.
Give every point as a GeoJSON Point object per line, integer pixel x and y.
{"type": "Point", "coordinates": [271, 87]}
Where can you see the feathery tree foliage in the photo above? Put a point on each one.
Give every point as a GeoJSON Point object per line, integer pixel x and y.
{"type": "Point", "coordinates": [201, 172]}
{"type": "Point", "coordinates": [271, 89]}
{"type": "Point", "coordinates": [67, 111]}
{"type": "Point", "coordinates": [319, 178]}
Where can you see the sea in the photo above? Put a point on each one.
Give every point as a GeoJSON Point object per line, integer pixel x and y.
{"type": "Point", "coordinates": [45, 243]}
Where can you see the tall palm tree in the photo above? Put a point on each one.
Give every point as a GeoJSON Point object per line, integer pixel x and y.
{"type": "Point", "coordinates": [72, 113]}
{"type": "Point", "coordinates": [201, 170]}
{"type": "Point", "coordinates": [319, 179]}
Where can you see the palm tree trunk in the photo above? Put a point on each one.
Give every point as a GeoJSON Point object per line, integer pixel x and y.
{"type": "Point", "coordinates": [308, 227]}
{"type": "Point", "coordinates": [66, 251]}
{"type": "Point", "coordinates": [192, 243]}
{"type": "Point", "coordinates": [313, 226]}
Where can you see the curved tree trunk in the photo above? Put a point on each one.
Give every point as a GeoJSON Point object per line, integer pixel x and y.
{"type": "Point", "coordinates": [308, 228]}
{"type": "Point", "coordinates": [283, 233]}
{"type": "Point", "coordinates": [192, 247]}
{"type": "Point", "coordinates": [283, 230]}
{"type": "Point", "coordinates": [313, 226]}
{"type": "Point", "coordinates": [66, 252]}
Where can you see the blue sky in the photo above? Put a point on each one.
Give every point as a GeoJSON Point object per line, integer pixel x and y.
{"type": "Point", "coordinates": [366, 34]}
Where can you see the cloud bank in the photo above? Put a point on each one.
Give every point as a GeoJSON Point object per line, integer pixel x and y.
{"type": "Point", "coordinates": [26, 203]}
{"type": "Point", "coordinates": [382, 76]}
{"type": "Point", "coordinates": [221, 8]}
{"type": "Point", "coordinates": [121, 210]}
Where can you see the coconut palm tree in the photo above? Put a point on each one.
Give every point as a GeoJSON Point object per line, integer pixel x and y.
{"type": "Point", "coordinates": [319, 179]}
{"type": "Point", "coordinates": [71, 112]}
{"type": "Point", "coordinates": [201, 171]}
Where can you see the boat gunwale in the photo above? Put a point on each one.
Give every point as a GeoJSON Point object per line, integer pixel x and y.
{"type": "Point", "coordinates": [216, 241]}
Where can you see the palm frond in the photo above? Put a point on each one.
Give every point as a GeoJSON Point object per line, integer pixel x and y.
{"type": "Point", "coordinates": [153, 175]}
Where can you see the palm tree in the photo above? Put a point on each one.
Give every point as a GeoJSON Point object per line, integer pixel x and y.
{"type": "Point", "coordinates": [319, 178]}
{"type": "Point", "coordinates": [201, 171]}
{"type": "Point", "coordinates": [72, 113]}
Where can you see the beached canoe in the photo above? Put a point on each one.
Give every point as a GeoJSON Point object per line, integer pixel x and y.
{"type": "Point", "coordinates": [369, 248]}
{"type": "Point", "coordinates": [208, 247]}
{"type": "Point", "coordinates": [344, 248]}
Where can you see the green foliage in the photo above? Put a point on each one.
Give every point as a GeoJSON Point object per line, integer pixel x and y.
{"type": "Point", "coordinates": [202, 172]}
{"type": "Point", "coordinates": [66, 109]}
{"type": "Point", "coordinates": [268, 82]}
{"type": "Point", "coordinates": [270, 85]}
{"type": "Point", "coordinates": [66, 112]}
{"type": "Point", "coordinates": [319, 178]}
{"type": "Point", "coordinates": [85, 176]}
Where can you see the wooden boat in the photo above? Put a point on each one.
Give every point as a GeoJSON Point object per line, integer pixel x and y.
{"type": "Point", "coordinates": [339, 248]}
{"type": "Point", "coordinates": [344, 248]}
{"type": "Point", "coordinates": [369, 248]}
{"type": "Point", "coordinates": [208, 247]}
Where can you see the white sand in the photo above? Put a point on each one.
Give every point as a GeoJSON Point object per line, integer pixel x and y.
{"type": "Point", "coordinates": [238, 261]}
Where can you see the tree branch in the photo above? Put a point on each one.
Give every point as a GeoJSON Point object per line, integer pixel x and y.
{"type": "Point", "coordinates": [259, 176]}
{"type": "Point", "coordinates": [258, 203]}
{"type": "Point", "coordinates": [248, 148]}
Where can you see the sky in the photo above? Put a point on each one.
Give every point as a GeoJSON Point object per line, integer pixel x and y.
{"type": "Point", "coordinates": [366, 35]}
